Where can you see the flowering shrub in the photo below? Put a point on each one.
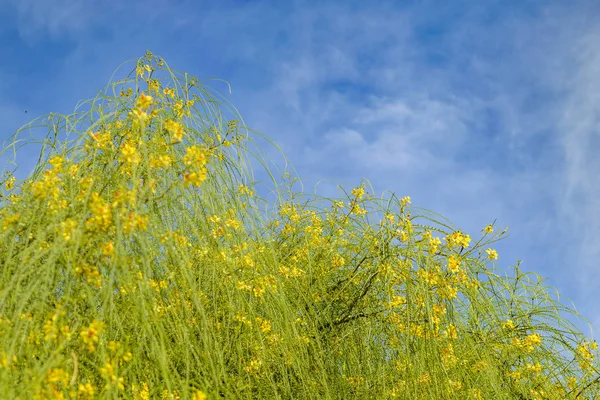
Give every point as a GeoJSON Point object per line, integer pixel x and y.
{"type": "Point", "coordinates": [138, 262]}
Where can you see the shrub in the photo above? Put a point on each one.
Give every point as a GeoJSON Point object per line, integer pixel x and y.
{"type": "Point", "coordinates": [138, 261]}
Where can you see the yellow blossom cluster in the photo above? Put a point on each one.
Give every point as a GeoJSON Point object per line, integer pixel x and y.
{"type": "Point", "coordinates": [89, 335]}
{"type": "Point", "coordinates": [54, 331]}
{"type": "Point", "coordinates": [584, 351]}
{"type": "Point", "coordinates": [195, 160]}
{"type": "Point", "coordinates": [529, 342]}
{"type": "Point", "coordinates": [458, 239]}
{"type": "Point", "coordinates": [101, 218]}
{"type": "Point", "coordinates": [175, 129]}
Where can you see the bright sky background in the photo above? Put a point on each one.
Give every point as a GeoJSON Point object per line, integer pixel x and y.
{"type": "Point", "coordinates": [478, 110]}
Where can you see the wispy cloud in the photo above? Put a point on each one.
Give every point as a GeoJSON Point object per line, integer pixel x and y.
{"type": "Point", "coordinates": [53, 18]}
{"type": "Point", "coordinates": [580, 127]}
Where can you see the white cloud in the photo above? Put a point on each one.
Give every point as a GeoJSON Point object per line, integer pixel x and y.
{"type": "Point", "coordinates": [402, 135]}
{"type": "Point", "coordinates": [580, 129]}
{"type": "Point", "coordinates": [74, 19]}
{"type": "Point", "coordinates": [54, 17]}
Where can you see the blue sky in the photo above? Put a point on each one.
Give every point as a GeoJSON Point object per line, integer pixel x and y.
{"type": "Point", "coordinates": [478, 110]}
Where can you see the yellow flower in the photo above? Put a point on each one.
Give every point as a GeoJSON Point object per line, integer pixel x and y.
{"type": "Point", "coordinates": [453, 263]}
{"type": "Point", "coordinates": [199, 395]}
{"type": "Point", "coordinates": [101, 214]}
{"type": "Point", "coordinates": [66, 228]}
{"type": "Point", "coordinates": [139, 115]}
{"type": "Point", "coordinates": [492, 254]}
{"type": "Point", "coordinates": [448, 357]}
{"type": "Point", "coordinates": [57, 162]}
{"type": "Point", "coordinates": [101, 140]}
{"type": "Point", "coordinates": [175, 129]}
{"type": "Point", "coordinates": [169, 92]}
{"type": "Point", "coordinates": [90, 272]}
{"type": "Point", "coordinates": [403, 235]}
{"type": "Point", "coordinates": [450, 332]}
{"type": "Point", "coordinates": [10, 183]}
{"type": "Point", "coordinates": [162, 161]}
{"type": "Point", "coordinates": [143, 394]}
{"type": "Point", "coordinates": [153, 85]}
{"type": "Point", "coordinates": [264, 325]}
{"type": "Point", "coordinates": [356, 209]}
{"type": "Point", "coordinates": [458, 239]}
{"type": "Point", "coordinates": [86, 390]}
{"type": "Point", "coordinates": [113, 346]}
{"type": "Point", "coordinates": [129, 153]}
{"type": "Point", "coordinates": [244, 190]}
{"type": "Point", "coordinates": [586, 354]}
{"type": "Point", "coordinates": [90, 334]}
{"type": "Point", "coordinates": [358, 192]}
{"type": "Point", "coordinates": [397, 301]}
{"type": "Point", "coordinates": [508, 325]}
{"type": "Point", "coordinates": [133, 222]}
{"type": "Point", "coordinates": [193, 178]}
{"type": "Point", "coordinates": [534, 368]}
{"type": "Point", "coordinates": [57, 375]}
{"type": "Point", "coordinates": [253, 366]}
{"type": "Point", "coordinates": [126, 93]}
{"type": "Point", "coordinates": [424, 379]}
{"type": "Point", "coordinates": [434, 244]}
{"type": "Point", "coordinates": [108, 372]}
{"type": "Point", "coordinates": [532, 341]}
{"type": "Point", "coordinates": [127, 356]}
{"type": "Point", "coordinates": [108, 249]}
{"type": "Point", "coordinates": [337, 261]}
{"type": "Point", "coordinates": [144, 101]}
{"type": "Point", "coordinates": [73, 170]}
{"type": "Point", "coordinates": [194, 156]}
{"type": "Point", "coordinates": [390, 218]}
